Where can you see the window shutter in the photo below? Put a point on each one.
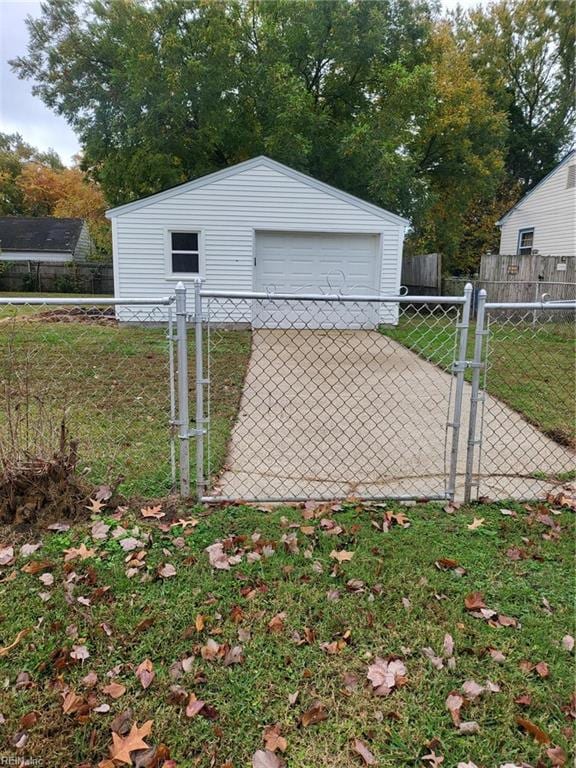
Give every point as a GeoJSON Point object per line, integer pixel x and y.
{"type": "Point", "coordinates": [571, 177]}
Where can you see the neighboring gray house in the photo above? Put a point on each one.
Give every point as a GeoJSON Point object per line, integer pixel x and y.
{"type": "Point", "coordinates": [262, 226]}
{"type": "Point", "coordinates": [44, 239]}
{"type": "Point", "coordinates": [544, 220]}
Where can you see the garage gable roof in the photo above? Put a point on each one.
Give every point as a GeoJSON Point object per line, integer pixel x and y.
{"type": "Point", "coordinates": [262, 160]}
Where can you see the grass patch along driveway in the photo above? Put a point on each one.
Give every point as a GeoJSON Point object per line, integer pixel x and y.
{"type": "Point", "coordinates": [531, 368]}
{"type": "Point", "coordinates": [112, 382]}
{"type": "Point", "coordinates": [291, 621]}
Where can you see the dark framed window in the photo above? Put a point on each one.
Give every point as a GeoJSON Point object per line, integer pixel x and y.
{"type": "Point", "coordinates": [525, 242]}
{"type": "Point", "coordinates": [185, 252]}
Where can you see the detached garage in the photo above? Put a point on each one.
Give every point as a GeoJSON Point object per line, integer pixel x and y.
{"type": "Point", "coordinates": [259, 226]}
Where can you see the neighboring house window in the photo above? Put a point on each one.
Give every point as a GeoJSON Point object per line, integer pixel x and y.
{"type": "Point", "coordinates": [525, 242]}
{"type": "Point", "coordinates": [184, 252]}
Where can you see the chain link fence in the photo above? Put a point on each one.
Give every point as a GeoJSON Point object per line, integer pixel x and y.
{"type": "Point", "coordinates": [289, 397]}
{"type": "Point", "coordinates": [341, 398]}
{"type": "Point", "coordinates": [102, 369]}
{"type": "Point", "coordinates": [527, 432]}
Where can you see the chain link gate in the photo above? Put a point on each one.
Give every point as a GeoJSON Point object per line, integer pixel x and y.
{"type": "Point", "coordinates": [323, 396]}
{"type": "Point", "coordinates": [521, 436]}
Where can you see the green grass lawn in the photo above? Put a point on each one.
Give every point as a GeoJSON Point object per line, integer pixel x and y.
{"type": "Point", "coordinates": [112, 383]}
{"type": "Point", "coordinates": [531, 369]}
{"type": "Point", "coordinates": [308, 628]}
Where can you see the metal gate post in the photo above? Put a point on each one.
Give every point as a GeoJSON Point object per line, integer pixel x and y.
{"type": "Point", "coordinates": [182, 368]}
{"type": "Point", "coordinates": [172, 393]}
{"type": "Point", "coordinates": [475, 397]}
{"type": "Point", "coordinates": [199, 430]}
{"type": "Point", "coordinates": [459, 369]}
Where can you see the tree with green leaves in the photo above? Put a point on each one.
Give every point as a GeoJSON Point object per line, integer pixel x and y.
{"type": "Point", "coordinates": [524, 52]}
{"type": "Point", "coordinates": [162, 92]}
{"type": "Point", "coordinates": [378, 97]}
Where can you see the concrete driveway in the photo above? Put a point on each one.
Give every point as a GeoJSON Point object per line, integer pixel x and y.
{"type": "Point", "coordinates": [336, 413]}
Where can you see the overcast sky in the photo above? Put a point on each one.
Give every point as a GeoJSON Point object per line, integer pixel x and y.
{"type": "Point", "coordinates": [20, 112]}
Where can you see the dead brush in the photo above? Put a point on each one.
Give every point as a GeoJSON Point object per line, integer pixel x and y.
{"type": "Point", "coordinates": [38, 460]}
{"type": "Point", "coordinates": [38, 488]}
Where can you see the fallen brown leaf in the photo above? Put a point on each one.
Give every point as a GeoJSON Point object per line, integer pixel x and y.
{"type": "Point", "coordinates": [154, 512]}
{"type": "Point", "coordinates": [386, 675]}
{"type": "Point", "coordinates": [542, 669]}
{"type": "Point", "coordinates": [7, 648]}
{"type": "Point", "coordinates": [276, 624]}
{"type": "Point", "coordinates": [262, 758]}
{"type": "Point", "coordinates": [524, 700]}
{"type": "Point", "coordinates": [361, 749]}
{"type": "Point", "coordinates": [474, 601]}
{"type": "Point", "coordinates": [95, 505]}
{"type": "Point", "coordinates": [315, 714]}
{"type": "Point", "coordinates": [82, 552]}
{"type": "Point", "coordinates": [534, 730]}
{"type": "Point", "coordinates": [122, 746]}
{"type": "Point", "coordinates": [36, 566]}
{"type": "Point", "coordinates": [72, 703]}
{"type": "Point", "coordinates": [29, 720]}
{"type": "Point", "coordinates": [342, 556]}
{"type": "Point", "coordinates": [568, 643]}
{"type": "Point", "coordinates": [273, 739]}
{"type": "Point", "coordinates": [114, 690]}
{"type": "Point", "coordinates": [557, 756]}
{"type": "Point", "coordinates": [167, 571]}
{"type": "Point", "coordinates": [454, 704]}
{"type": "Point", "coordinates": [6, 555]}
{"type": "Point", "coordinates": [194, 706]}
{"type": "Point", "coordinates": [145, 673]}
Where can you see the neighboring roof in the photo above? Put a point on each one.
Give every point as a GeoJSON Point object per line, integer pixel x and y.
{"type": "Point", "coordinates": [262, 160]}
{"type": "Point", "coordinates": [562, 162]}
{"type": "Point", "coordinates": [39, 234]}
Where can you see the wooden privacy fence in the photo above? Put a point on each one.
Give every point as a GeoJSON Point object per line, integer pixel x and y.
{"type": "Point", "coordinates": [526, 278]}
{"type": "Point", "coordinates": [48, 277]}
{"type": "Point", "coordinates": [422, 275]}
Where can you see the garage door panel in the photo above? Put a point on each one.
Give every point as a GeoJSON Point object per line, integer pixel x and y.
{"type": "Point", "coordinates": [291, 262]}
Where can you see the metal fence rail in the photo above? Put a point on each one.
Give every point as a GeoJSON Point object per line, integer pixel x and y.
{"type": "Point", "coordinates": [103, 367]}
{"type": "Point", "coordinates": [524, 387]}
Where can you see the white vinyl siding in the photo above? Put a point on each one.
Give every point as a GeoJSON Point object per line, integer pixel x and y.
{"type": "Point", "coordinates": [550, 211]}
{"type": "Point", "coordinates": [229, 211]}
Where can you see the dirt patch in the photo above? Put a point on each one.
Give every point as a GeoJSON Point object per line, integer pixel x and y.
{"type": "Point", "coordinates": [561, 435]}
{"type": "Point", "coordinates": [96, 315]}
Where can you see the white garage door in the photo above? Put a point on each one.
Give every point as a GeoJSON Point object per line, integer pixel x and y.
{"type": "Point", "coordinates": [316, 262]}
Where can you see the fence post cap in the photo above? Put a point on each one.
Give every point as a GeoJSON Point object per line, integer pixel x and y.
{"type": "Point", "coordinates": [180, 286]}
